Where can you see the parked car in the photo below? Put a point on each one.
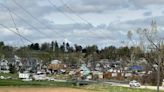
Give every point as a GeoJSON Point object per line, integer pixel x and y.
{"type": "Point", "coordinates": [134, 83]}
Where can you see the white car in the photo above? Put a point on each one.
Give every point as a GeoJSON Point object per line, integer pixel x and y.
{"type": "Point", "coordinates": [134, 83]}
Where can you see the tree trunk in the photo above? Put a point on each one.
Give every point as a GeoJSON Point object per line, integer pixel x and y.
{"type": "Point", "coordinates": [158, 72]}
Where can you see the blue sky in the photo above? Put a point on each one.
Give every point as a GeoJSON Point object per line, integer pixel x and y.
{"type": "Point", "coordinates": [85, 22]}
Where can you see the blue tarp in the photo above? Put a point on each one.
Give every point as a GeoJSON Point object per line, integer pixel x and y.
{"type": "Point", "coordinates": [136, 67]}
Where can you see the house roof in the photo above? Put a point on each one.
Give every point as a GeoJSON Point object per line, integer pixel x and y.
{"type": "Point", "coordinates": [136, 67]}
{"type": "Point", "coordinates": [55, 62]}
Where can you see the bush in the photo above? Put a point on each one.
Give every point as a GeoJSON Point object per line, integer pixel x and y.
{"type": "Point", "coordinates": [151, 79]}
{"type": "Point", "coordinates": [12, 69]}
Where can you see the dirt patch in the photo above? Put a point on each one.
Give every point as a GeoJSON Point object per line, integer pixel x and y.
{"type": "Point", "coordinates": [9, 89]}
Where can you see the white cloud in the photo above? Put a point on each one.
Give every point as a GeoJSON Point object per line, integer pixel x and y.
{"type": "Point", "coordinates": [144, 3]}
{"type": "Point", "coordinates": [67, 41]}
{"type": "Point", "coordinates": [110, 20]}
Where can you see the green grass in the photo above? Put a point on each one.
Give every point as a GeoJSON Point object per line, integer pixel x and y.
{"type": "Point", "coordinates": [9, 75]}
{"type": "Point", "coordinates": [109, 88]}
{"type": "Point", "coordinates": [124, 89]}
{"type": "Point", "coordinates": [34, 83]}
{"type": "Point", "coordinates": [92, 87]}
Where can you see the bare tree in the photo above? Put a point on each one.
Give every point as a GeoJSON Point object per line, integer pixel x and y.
{"type": "Point", "coordinates": [131, 42]}
{"type": "Point", "coordinates": [152, 42]}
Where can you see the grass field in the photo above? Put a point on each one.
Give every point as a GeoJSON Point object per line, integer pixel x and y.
{"type": "Point", "coordinates": [109, 88]}
{"type": "Point", "coordinates": [16, 84]}
{"type": "Point", "coordinates": [9, 75]}
{"type": "Point", "coordinates": [34, 89]}
{"type": "Point", "coordinates": [35, 83]}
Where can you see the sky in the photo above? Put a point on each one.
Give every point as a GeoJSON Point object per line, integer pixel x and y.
{"type": "Point", "coordinates": [84, 22]}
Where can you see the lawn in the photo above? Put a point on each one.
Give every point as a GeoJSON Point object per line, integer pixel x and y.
{"type": "Point", "coordinates": [52, 84]}
{"type": "Point", "coordinates": [34, 83]}
{"type": "Point", "coordinates": [9, 75]}
{"type": "Point", "coordinates": [109, 88]}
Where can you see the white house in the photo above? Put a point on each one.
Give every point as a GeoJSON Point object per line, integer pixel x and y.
{"type": "Point", "coordinates": [56, 62]}
{"type": "Point", "coordinates": [4, 66]}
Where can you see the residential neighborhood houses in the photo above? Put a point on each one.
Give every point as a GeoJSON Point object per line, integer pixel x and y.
{"type": "Point", "coordinates": [105, 69]}
{"type": "Point", "coordinates": [65, 62]}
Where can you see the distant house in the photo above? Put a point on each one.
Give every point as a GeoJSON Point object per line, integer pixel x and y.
{"type": "Point", "coordinates": [4, 64]}
{"type": "Point", "coordinates": [30, 64]}
{"type": "Point", "coordinates": [56, 62]}
{"type": "Point", "coordinates": [55, 66]}
{"type": "Point", "coordinates": [84, 70]}
{"type": "Point", "coordinates": [102, 65]}
{"type": "Point", "coordinates": [17, 62]}
{"type": "Point", "coordinates": [106, 64]}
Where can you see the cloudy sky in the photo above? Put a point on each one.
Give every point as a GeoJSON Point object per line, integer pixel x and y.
{"type": "Point", "coordinates": [85, 22]}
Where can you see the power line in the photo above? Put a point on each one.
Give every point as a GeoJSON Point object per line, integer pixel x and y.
{"type": "Point", "coordinates": [65, 14]}
{"type": "Point", "coordinates": [84, 20]}
{"type": "Point", "coordinates": [24, 21]}
{"type": "Point", "coordinates": [12, 18]}
{"type": "Point", "coordinates": [72, 19]}
{"type": "Point", "coordinates": [35, 18]}
{"type": "Point", "coordinates": [21, 19]}
{"type": "Point", "coordinates": [16, 33]}
{"type": "Point", "coordinates": [69, 17]}
{"type": "Point", "coordinates": [74, 11]}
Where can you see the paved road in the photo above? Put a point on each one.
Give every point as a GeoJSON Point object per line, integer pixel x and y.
{"type": "Point", "coordinates": [142, 87]}
{"type": "Point", "coordinates": [113, 84]}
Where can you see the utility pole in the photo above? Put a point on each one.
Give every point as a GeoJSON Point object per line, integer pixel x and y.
{"type": "Point", "coordinates": [158, 71]}
{"type": "Point", "coordinates": [93, 60]}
